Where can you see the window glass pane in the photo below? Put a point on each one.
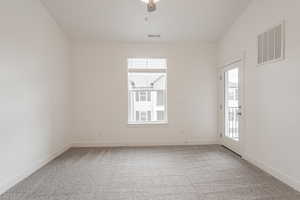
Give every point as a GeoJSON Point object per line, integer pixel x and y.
{"type": "Point", "coordinates": [146, 63]}
{"type": "Point", "coordinates": [157, 63]}
{"type": "Point", "coordinates": [147, 94]}
{"type": "Point", "coordinates": [137, 63]}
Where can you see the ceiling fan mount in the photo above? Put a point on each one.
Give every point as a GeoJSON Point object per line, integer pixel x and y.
{"type": "Point", "coordinates": [151, 5]}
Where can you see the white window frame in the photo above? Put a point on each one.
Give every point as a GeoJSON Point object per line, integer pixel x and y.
{"type": "Point", "coordinates": [164, 122]}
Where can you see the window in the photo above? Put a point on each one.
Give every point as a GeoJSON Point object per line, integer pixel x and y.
{"type": "Point", "coordinates": [147, 91]}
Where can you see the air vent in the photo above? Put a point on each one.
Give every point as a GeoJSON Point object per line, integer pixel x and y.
{"type": "Point", "coordinates": [271, 45]}
{"type": "Point", "coordinates": [153, 36]}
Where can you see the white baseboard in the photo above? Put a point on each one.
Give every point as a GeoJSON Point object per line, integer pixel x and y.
{"type": "Point", "coordinates": [274, 172]}
{"type": "Point", "coordinates": [142, 144]}
{"type": "Point", "coordinates": [27, 172]}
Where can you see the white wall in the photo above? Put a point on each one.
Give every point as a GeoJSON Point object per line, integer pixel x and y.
{"type": "Point", "coordinates": [272, 91]}
{"type": "Point", "coordinates": [100, 95]}
{"type": "Point", "coordinates": [34, 89]}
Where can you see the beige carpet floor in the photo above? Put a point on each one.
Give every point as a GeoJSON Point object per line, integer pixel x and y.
{"type": "Point", "coordinates": [150, 173]}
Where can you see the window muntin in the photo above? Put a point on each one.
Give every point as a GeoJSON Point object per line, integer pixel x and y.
{"type": "Point", "coordinates": [147, 91]}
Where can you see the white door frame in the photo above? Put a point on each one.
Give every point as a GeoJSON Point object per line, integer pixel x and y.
{"type": "Point", "coordinates": [237, 147]}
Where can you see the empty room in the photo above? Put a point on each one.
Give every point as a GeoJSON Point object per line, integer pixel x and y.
{"type": "Point", "coordinates": [149, 100]}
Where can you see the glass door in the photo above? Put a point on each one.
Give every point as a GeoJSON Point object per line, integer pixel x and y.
{"type": "Point", "coordinates": [231, 104]}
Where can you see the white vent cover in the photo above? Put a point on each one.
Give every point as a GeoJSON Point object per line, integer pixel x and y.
{"type": "Point", "coordinates": [271, 45]}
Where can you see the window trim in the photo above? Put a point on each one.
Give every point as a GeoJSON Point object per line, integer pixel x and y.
{"type": "Point", "coordinates": [164, 70]}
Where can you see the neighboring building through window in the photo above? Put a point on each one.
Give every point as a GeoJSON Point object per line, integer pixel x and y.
{"type": "Point", "coordinates": [147, 90]}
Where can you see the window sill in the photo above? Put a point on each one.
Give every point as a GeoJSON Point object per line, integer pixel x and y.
{"type": "Point", "coordinates": [147, 123]}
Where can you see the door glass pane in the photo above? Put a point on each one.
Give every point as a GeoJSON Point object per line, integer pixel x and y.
{"type": "Point", "coordinates": [232, 104]}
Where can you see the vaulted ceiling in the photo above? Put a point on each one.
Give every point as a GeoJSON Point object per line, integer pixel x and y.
{"type": "Point", "coordinates": [129, 21]}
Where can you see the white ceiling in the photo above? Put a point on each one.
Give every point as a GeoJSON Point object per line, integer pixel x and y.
{"type": "Point", "coordinates": [124, 20]}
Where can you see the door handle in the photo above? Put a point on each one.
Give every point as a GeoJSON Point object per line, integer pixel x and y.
{"type": "Point", "coordinates": [239, 114]}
